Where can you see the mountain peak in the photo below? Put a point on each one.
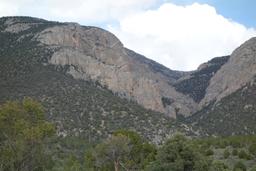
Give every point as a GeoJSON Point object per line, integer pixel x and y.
{"type": "Point", "coordinates": [69, 54]}
{"type": "Point", "coordinates": [238, 71]}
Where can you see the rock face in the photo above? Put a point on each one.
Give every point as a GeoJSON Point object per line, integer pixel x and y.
{"type": "Point", "coordinates": [238, 71]}
{"type": "Point", "coordinates": [95, 54]}
{"type": "Point", "coordinates": [228, 107]}
{"type": "Point", "coordinates": [79, 73]}
{"type": "Point", "coordinates": [196, 83]}
{"type": "Point", "coordinates": [77, 107]}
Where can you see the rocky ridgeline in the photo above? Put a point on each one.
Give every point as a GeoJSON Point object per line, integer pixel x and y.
{"type": "Point", "coordinates": [93, 54]}
{"type": "Point", "coordinates": [196, 83]}
{"type": "Point", "coordinates": [78, 107]}
{"type": "Point", "coordinates": [236, 73]}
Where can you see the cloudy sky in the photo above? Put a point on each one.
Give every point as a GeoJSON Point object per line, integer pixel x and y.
{"type": "Point", "coordinates": [180, 34]}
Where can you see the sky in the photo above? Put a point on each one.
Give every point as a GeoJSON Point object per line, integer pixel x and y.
{"type": "Point", "coordinates": [180, 34]}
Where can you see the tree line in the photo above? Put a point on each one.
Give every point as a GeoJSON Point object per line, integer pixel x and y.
{"type": "Point", "coordinates": [27, 142]}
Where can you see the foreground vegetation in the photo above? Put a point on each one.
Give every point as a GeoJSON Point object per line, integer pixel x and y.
{"type": "Point", "coordinates": [29, 143]}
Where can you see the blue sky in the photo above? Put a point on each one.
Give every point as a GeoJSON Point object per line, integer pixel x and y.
{"type": "Point", "coordinates": [242, 11]}
{"type": "Point", "coordinates": [180, 34]}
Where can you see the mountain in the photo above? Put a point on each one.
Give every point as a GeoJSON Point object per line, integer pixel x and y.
{"type": "Point", "coordinates": [94, 54]}
{"type": "Point", "coordinates": [78, 106]}
{"type": "Point", "coordinates": [240, 69]}
{"type": "Point", "coordinates": [196, 83]}
{"type": "Point", "coordinates": [91, 85]}
{"type": "Point", "coordinates": [232, 115]}
{"type": "Point", "coordinates": [229, 104]}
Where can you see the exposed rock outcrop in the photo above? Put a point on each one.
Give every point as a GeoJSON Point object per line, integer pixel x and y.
{"type": "Point", "coordinates": [90, 53]}
{"type": "Point", "coordinates": [196, 83]}
{"type": "Point", "coordinates": [77, 107]}
{"type": "Point", "coordinates": [71, 70]}
{"type": "Point", "coordinates": [239, 70]}
{"type": "Point", "coordinates": [95, 54]}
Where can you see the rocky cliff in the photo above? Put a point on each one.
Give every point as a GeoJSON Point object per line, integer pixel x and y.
{"type": "Point", "coordinates": [77, 105]}
{"type": "Point", "coordinates": [196, 83]}
{"type": "Point", "coordinates": [94, 54]}
{"type": "Point", "coordinates": [236, 73]}
{"type": "Point", "coordinates": [60, 63]}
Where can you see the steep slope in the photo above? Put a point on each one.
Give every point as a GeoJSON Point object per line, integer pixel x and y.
{"type": "Point", "coordinates": [155, 67]}
{"type": "Point", "coordinates": [196, 83]}
{"type": "Point", "coordinates": [94, 54]}
{"type": "Point", "coordinates": [79, 107]}
{"type": "Point", "coordinates": [236, 73]}
{"type": "Point", "coordinates": [233, 114]}
{"type": "Point", "coordinates": [91, 84]}
{"type": "Point", "coordinates": [228, 106]}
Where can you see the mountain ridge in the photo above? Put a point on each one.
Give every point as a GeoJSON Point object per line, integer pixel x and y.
{"type": "Point", "coordinates": [60, 63]}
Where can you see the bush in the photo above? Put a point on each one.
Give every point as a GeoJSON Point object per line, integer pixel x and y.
{"type": "Point", "coordinates": [209, 152]}
{"type": "Point", "coordinates": [239, 166]}
{"type": "Point", "coordinates": [253, 168]}
{"type": "Point", "coordinates": [222, 144]}
{"type": "Point", "coordinates": [234, 152]}
{"type": "Point", "coordinates": [218, 166]}
{"type": "Point", "coordinates": [243, 155]}
{"type": "Point", "coordinates": [252, 149]}
{"type": "Point", "coordinates": [235, 143]}
{"type": "Point", "coordinates": [226, 154]}
{"type": "Point", "coordinates": [205, 146]}
{"type": "Point", "coordinates": [24, 133]}
{"type": "Point", "coordinates": [178, 153]}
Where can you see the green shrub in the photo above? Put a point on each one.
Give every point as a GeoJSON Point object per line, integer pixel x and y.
{"type": "Point", "coordinates": [222, 144]}
{"type": "Point", "coordinates": [179, 153]}
{"type": "Point", "coordinates": [235, 143]}
{"type": "Point", "coordinates": [239, 166]}
{"type": "Point", "coordinates": [209, 152]}
{"type": "Point", "coordinates": [252, 149]}
{"type": "Point", "coordinates": [205, 145]}
{"type": "Point", "coordinates": [218, 166]}
{"type": "Point", "coordinates": [234, 152]}
{"type": "Point", "coordinates": [226, 154]}
{"type": "Point", "coordinates": [24, 133]}
{"type": "Point", "coordinates": [253, 168]}
{"type": "Point", "coordinates": [243, 155]}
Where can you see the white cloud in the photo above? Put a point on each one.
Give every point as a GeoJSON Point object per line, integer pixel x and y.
{"type": "Point", "coordinates": [96, 10]}
{"type": "Point", "coordinates": [7, 8]}
{"type": "Point", "coordinates": [181, 37]}
{"type": "Point", "coordinates": [83, 11]}
{"type": "Point", "coordinates": [13, 7]}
